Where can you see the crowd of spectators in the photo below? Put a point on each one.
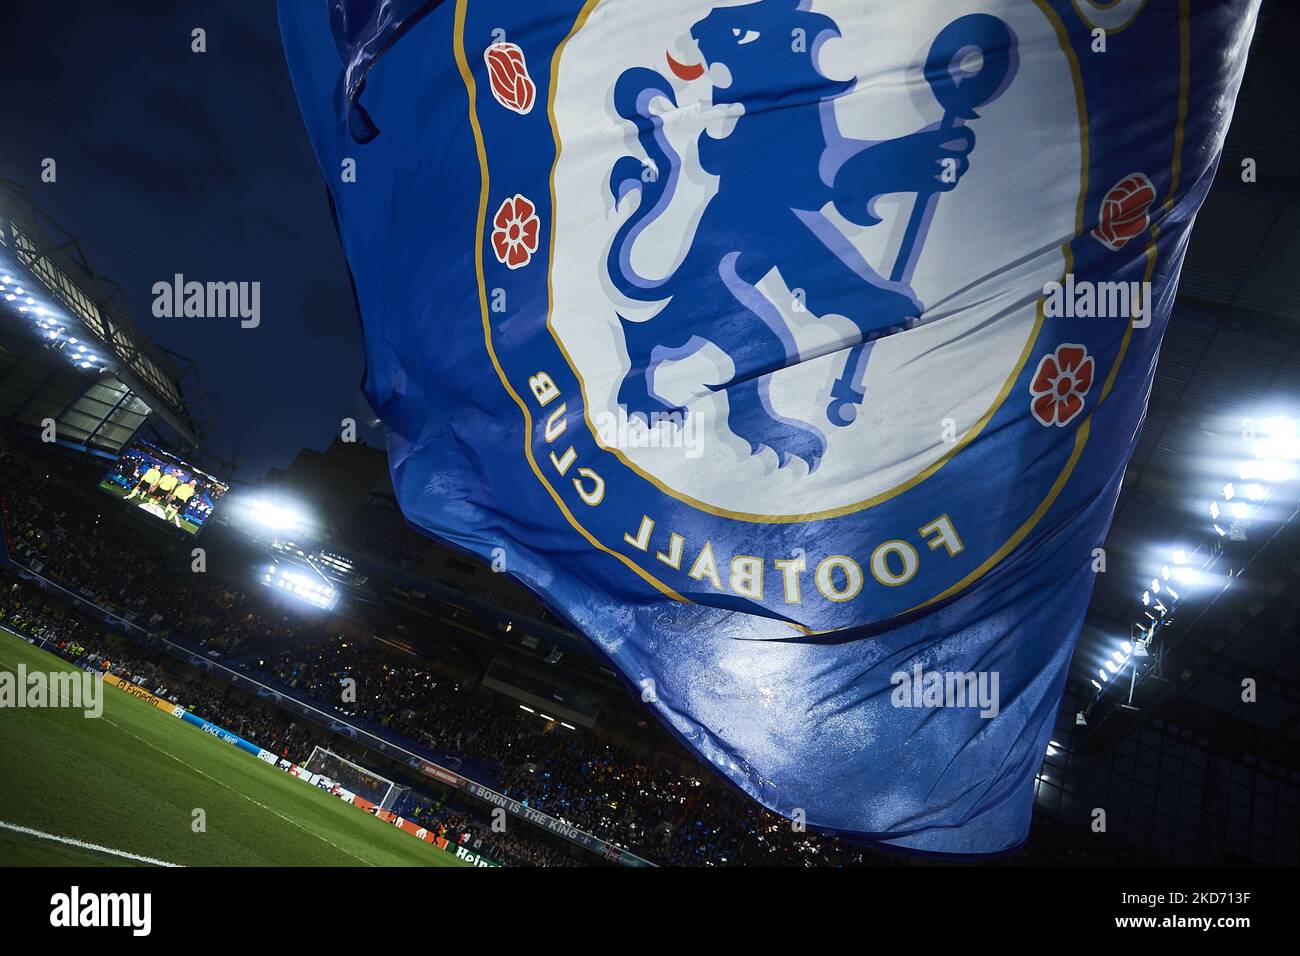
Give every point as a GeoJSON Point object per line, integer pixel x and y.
{"type": "Point", "coordinates": [517, 847]}
{"type": "Point", "coordinates": [381, 531]}
{"type": "Point", "coordinates": [404, 693]}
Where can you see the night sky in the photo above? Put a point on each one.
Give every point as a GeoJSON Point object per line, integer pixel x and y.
{"type": "Point", "coordinates": [172, 161]}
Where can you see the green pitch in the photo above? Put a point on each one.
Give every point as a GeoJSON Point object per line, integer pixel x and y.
{"type": "Point", "coordinates": [131, 780]}
{"type": "Point", "coordinates": [119, 492]}
{"type": "Point", "coordinates": [113, 488]}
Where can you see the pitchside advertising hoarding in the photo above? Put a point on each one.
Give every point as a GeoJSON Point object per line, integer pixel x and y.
{"type": "Point", "coordinates": [790, 349]}
{"type": "Point", "coordinates": [164, 486]}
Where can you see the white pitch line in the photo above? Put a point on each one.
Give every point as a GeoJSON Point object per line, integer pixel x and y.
{"type": "Point", "coordinates": [42, 835]}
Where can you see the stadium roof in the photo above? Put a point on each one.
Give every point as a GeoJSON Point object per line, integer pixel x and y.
{"type": "Point", "coordinates": [66, 302]}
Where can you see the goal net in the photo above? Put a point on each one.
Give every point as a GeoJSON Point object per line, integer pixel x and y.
{"type": "Point", "coordinates": [375, 787]}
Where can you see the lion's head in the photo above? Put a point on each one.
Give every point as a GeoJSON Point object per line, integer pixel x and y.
{"type": "Point", "coordinates": [756, 42]}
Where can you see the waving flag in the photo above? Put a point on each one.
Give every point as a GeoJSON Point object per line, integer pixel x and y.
{"type": "Point", "coordinates": [793, 351]}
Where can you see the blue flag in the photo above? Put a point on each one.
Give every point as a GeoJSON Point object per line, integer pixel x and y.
{"type": "Point", "coordinates": [793, 351]}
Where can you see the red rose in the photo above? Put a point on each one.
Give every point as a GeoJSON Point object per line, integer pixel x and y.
{"type": "Point", "coordinates": [514, 232]}
{"type": "Point", "coordinates": [1124, 211]}
{"type": "Point", "coordinates": [508, 73]}
{"type": "Point", "coordinates": [1059, 385]}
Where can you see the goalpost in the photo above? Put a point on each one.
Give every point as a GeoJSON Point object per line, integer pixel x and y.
{"type": "Point", "coordinates": [375, 787]}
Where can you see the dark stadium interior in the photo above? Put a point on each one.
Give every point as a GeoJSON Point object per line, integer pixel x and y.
{"type": "Point", "coordinates": [1211, 778]}
{"type": "Point", "coordinates": [466, 670]}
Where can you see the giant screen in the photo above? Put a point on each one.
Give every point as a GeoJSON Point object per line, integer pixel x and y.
{"type": "Point", "coordinates": [164, 486]}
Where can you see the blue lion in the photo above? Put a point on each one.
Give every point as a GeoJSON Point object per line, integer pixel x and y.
{"type": "Point", "coordinates": [782, 162]}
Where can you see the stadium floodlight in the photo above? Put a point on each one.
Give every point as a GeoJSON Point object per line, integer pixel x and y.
{"type": "Point", "coordinates": [1271, 470]}
{"type": "Point", "coordinates": [1146, 598]}
{"type": "Point", "coordinates": [1255, 491]}
{"type": "Point", "coordinates": [1214, 510]}
{"type": "Point", "coordinates": [1155, 585]}
{"type": "Point", "coordinates": [1240, 509]}
{"type": "Point", "coordinates": [1164, 571]}
{"type": "Point", "coordinates": [1287, 447]}
{"type": "Point", "coordinates": [335, 562]}
{"type": "Point", "coordinates": [1118, 657]}
{"type": "Point", "coordinates": [307, 585]}
{"type": "Point", "coordinates": [1110, 666]}
{"type": "Point", "coordinates": [1219, 531]}
{"type": "Point", "coordinates": [1229, 491]}
{"type": "Point", "coordinates": [1126, 647]}
{"type": "Point", "coordinates": [1180, 556]}
{"type": "Point", "coordinates": [1279, 441]}
{"type": "Point", "coordinates": [273, 516]}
